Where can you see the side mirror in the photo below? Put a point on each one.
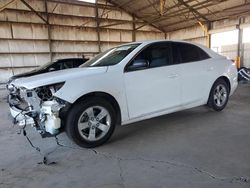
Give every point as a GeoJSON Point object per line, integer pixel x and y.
{"type": "Point", "coordinates": [51, 69]}
{"type": "Point", "coordinates": [138, 64]}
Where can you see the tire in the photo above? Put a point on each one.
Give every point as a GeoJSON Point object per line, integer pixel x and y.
{"type": "Point", "coordinates": [91, 122]}
{"type": "Point", "coordinates": [219, 95]}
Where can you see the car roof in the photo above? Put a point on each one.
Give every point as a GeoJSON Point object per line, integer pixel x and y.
{"type": "Point", "coordinates": [160, 40]}
{"type": "Point", "coordinates": [206, 49]}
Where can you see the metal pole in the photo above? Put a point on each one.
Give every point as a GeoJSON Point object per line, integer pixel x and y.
{"type": "Point", "coordinates": [133, 31]}
{"type": "Point", "coordinates": [209, 26]}
{"type": "Point", "coordinates": [97, 26]}
{"type": "Point", "coordinates": [49, 30]}
{"type": "Point", "coordinates": [240, 44]}
{"type": "Point", "coordinates": [205, 29]}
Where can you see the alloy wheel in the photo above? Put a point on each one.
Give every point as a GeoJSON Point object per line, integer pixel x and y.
{"type": "Point", "coordinates": [220, 95]}
{"type": "Point", "coordinates": [94, 123]}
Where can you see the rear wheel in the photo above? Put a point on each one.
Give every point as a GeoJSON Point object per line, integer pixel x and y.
{"type": "Point", "coordinates": [91, 122]}
{"type": "Point", "coordinates": [219, 95]}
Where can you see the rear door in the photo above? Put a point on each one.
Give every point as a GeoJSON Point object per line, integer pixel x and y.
{"type": "Point", "coordinates": [195, 76]}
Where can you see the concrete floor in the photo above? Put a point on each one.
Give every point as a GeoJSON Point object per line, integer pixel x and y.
{"type": "Point", "coordinates": [192, 148]}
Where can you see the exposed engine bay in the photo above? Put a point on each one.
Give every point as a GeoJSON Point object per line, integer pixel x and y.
{"type": "Point", "coordinates": [37, 108]}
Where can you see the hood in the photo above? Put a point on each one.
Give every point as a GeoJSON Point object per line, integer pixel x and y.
{"type": "Point", "coordinates": [57, 76]}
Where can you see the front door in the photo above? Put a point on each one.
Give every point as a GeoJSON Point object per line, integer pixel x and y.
{"type": "Point", "coordinates": [155, 87]}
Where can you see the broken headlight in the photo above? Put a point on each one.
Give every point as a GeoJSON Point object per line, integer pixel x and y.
{"type": "Point", "coordinates": [11, 88]}
{"type": "Point", "coordinates": [45, 93]}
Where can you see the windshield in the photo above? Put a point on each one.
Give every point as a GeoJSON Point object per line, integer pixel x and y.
{"type": "Point", "coordinates": [111, 57]}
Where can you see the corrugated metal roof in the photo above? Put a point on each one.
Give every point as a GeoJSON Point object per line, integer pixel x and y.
{"type": "Point", "coordinates": [178, 14]}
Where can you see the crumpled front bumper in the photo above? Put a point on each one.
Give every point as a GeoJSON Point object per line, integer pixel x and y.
{"type": "Point", "coordinates": [20, 117]}
{"type": "Point", "coordinates": [28, 110]}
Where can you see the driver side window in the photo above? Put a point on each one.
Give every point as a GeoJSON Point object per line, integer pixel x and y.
{"type": "Point", "coordinates": [155, 55]}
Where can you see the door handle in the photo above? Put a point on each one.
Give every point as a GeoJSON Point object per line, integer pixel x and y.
{"type": "Point", "coordinates": [173, 76]}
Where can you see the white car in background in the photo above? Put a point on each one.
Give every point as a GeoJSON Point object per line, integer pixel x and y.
{"type": "Point", "coordinates": [125, 84]}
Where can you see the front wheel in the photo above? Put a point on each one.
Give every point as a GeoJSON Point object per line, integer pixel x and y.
{"type": "Point", "coordinates": [91, 122]}
{"type": "Point", "coordinates": [219, 95]}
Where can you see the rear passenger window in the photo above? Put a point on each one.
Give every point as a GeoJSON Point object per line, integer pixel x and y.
{"type": "Point", "coordinates": [189, 52]}
{"type": "Point", "coordinates": [203, 55]}
{"type": "Point", "coordinates": [175, 54]}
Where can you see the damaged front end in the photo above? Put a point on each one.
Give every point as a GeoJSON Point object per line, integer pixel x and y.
{"type": "Point", "coordinates": [36, 107]}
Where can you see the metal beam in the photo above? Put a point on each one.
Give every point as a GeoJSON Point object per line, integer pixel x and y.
{"type": "Point", "coordinates": [119, 6]}
{"type": "Point", "coordinates": [71, 26]}
{"type": "Point", "coordinates": [125, 3]}
{"type": "Point", "coordinates": [146, 6]}
{"type": "Point", "coordinates": [162, 5]}
{"type": "Point", "coordinates": [221, 18]}
{"type": "Point", "coordinates": [193, 10]}
{"type": "Point", "coordinates": [166, 10]}
{"type": "Point", "coordinates": [83, 4]}
{"type": "Point", "coordinates": [209, 14]}
{"type": "Point", "coordinates": [71, 16]}
{"type": "Point", "coordinates": [209, 27]}
{"type": "Point", "coordinates": [205, 29]}
{"type": "Point", "coordinates": [40, 53]}
{"type": "Point", "coordinates": [7, 4]}
{"type": "Point", "coordinates": [166, 16]}
{"type": "Point", "coordinates": [181, 12]}
{"type": "Point", "coordinates": [33, 10]}
{"type": "Point", "coordinates": [113, 24]}
{"type": "Point", "coordinates": [154, 3]}
{"type": "Point", "coordinates": [60, 40]}
{"type": "Point", "coordinates": [131, 12]}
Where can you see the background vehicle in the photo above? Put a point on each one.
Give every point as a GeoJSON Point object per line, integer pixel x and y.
{"type": "Point", "coordinates": [125, 84]}
{"type": "Point", "coordinates": [243, 74]}
{"type": "Point", "coordinates": [59, 64]}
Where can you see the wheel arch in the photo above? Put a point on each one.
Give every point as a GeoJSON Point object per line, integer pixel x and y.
{"type": "Point", "coordinates": [226, 79]}
{"type": "Point", "coordinates": [106, 96]}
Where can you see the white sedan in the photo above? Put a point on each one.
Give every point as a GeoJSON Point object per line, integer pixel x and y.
{"type": "Point", "coordinates": [125, 84]}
